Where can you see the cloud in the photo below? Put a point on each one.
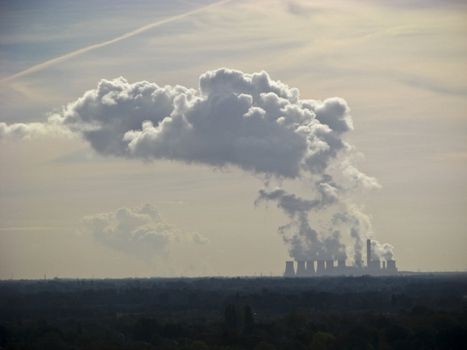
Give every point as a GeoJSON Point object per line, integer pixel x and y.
{"type": "Point", "coordinates": [246, 120]}
{"type": "Point", "coordinates": [199, 238]}
{"type": "Point", "coordinates": [237, 119]}
{"type": "Point", "coordinates": [23, 131]}
{"type": "Point", "coordinates": [382, 250]}
{"type": "Point", "coordinates": [294, 205]}
{"type": "Point", "coordinates": [297, 8]}
{"type": "Point", "coordinates": [139, 232]}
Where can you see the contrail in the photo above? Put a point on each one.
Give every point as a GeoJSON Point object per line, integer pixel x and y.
{"type": "Point", "coordinates": [40, 66]}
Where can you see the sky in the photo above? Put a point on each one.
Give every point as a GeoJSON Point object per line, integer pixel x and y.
{"type": "Point", "coordinates": [135, 199]}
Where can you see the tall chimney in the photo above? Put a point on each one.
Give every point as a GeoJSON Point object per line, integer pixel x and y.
{"type": "Point", "coordinates": [329, 264]}
{"type": "Point", "coordinates": [368, 253]}
{"type": "Point", "coordinates": [289, 269]}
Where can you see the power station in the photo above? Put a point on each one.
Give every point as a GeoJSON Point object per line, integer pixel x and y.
{"type": "Point", "coordinates": [327, 267]}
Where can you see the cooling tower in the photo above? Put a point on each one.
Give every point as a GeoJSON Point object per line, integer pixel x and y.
{"type": "Point", "coordinates": [368, 253]}
{"type": "Point", "coordinates": [320, 267]}
{"type": "Point", "coordinates": [391, 266]}
{"type": "Point", "coordinates": [301, 271]}
{"type": "Point", "coordinates": [310, 267]}
{"type": "Point", "coordinates": [289, 269]}
{"type": "Point", "coordinates": [341, 263]}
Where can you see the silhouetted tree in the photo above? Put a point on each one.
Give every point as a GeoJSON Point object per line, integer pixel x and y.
{"type": "Point", "coordinates": [231, 316]}
{"type": "Point", "coordinates": [248, 319]}
{"type": "Point", "coordinates": [145, 329]}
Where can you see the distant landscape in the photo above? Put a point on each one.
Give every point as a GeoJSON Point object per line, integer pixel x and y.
{"type": "Point", "coordinates": [420, 311]}
{"type": "Point", "coordinates": [233, 174]}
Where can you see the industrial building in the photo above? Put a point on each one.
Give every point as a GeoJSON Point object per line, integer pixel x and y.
{"type": "Point", "coordinates": [338, 267]}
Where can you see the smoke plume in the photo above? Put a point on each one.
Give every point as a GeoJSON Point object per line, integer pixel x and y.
{"type": "Point", "coordinates": [237, 119]}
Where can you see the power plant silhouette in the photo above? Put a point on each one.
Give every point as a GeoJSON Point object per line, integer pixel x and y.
{"type": "Point", "coordinates": [326, 267]}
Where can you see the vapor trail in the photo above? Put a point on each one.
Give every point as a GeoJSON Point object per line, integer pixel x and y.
{"type": "Point", "coordinates": [40, 66]}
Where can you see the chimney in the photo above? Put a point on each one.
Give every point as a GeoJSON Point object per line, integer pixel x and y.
{"type": "Point", "coordinates": [368, 253]}
{"type": "Point", "coordinates": [301, 271]}
{"type": "Point", "coordinates": [320, 267]}
{"type": "Point", "coordinates": [289, 269]}
{"type": "Point", "coordinates": [384, 265]}
{"type": "Point", "coordinates": [329, 265]}
{"type": "Point", "coordinates": [310, 267]}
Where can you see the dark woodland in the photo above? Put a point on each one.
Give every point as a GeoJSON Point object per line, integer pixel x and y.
{"type": "Point", "coordinates": [421, 311]}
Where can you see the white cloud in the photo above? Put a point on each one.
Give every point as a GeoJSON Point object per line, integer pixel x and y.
{"type": "Point", "coordinates": [136, 231]}
{"type": "Point", "coordinates": [247, 120]}
{"type": "Point", "coordinates": [33, 130]}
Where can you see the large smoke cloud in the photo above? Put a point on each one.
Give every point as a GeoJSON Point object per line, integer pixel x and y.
{"type": "Point", "coordinates": [244, 120]}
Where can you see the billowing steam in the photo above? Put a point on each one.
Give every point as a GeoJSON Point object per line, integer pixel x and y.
{"type": "Point", "coordinates": [244, 120]}
{"type": "Point", "coordinates": [382, 250]}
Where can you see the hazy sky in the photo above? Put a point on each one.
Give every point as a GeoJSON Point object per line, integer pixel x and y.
{"type": "Point", "coordinates": [66, 210]}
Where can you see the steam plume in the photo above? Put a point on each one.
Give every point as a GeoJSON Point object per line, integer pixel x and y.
{"type": "Point", "coordinates": [246, 120]}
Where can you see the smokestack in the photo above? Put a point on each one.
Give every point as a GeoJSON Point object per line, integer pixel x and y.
{"type": "Point", "coordinates": [320, 267]}
{"type": "Point", "coordinates": [368, 253]}
{"type": "Point", "coordinates": [301, 271]}
{"type": "Point", "coordinates": [310, 267]}
{"type": "Point", "coordinates": [289, 269]}
{"type": "Point", "coordinates": [384, 265]}
{"type": "Point", "coordinates": [329, 265]}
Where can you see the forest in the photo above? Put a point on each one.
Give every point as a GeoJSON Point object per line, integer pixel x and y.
{"type": "Point", "coordinates": [418, 311]}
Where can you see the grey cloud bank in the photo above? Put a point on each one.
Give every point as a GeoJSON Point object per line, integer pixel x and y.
{"type": "Point", "coordinates": [234, 118]}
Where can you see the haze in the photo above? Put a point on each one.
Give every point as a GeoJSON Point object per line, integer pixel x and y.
{"type": "Point", "coordinates": [66, 202]}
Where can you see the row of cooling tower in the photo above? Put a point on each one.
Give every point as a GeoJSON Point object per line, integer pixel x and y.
{"type": "Point", "coordinates": [327, 267]}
